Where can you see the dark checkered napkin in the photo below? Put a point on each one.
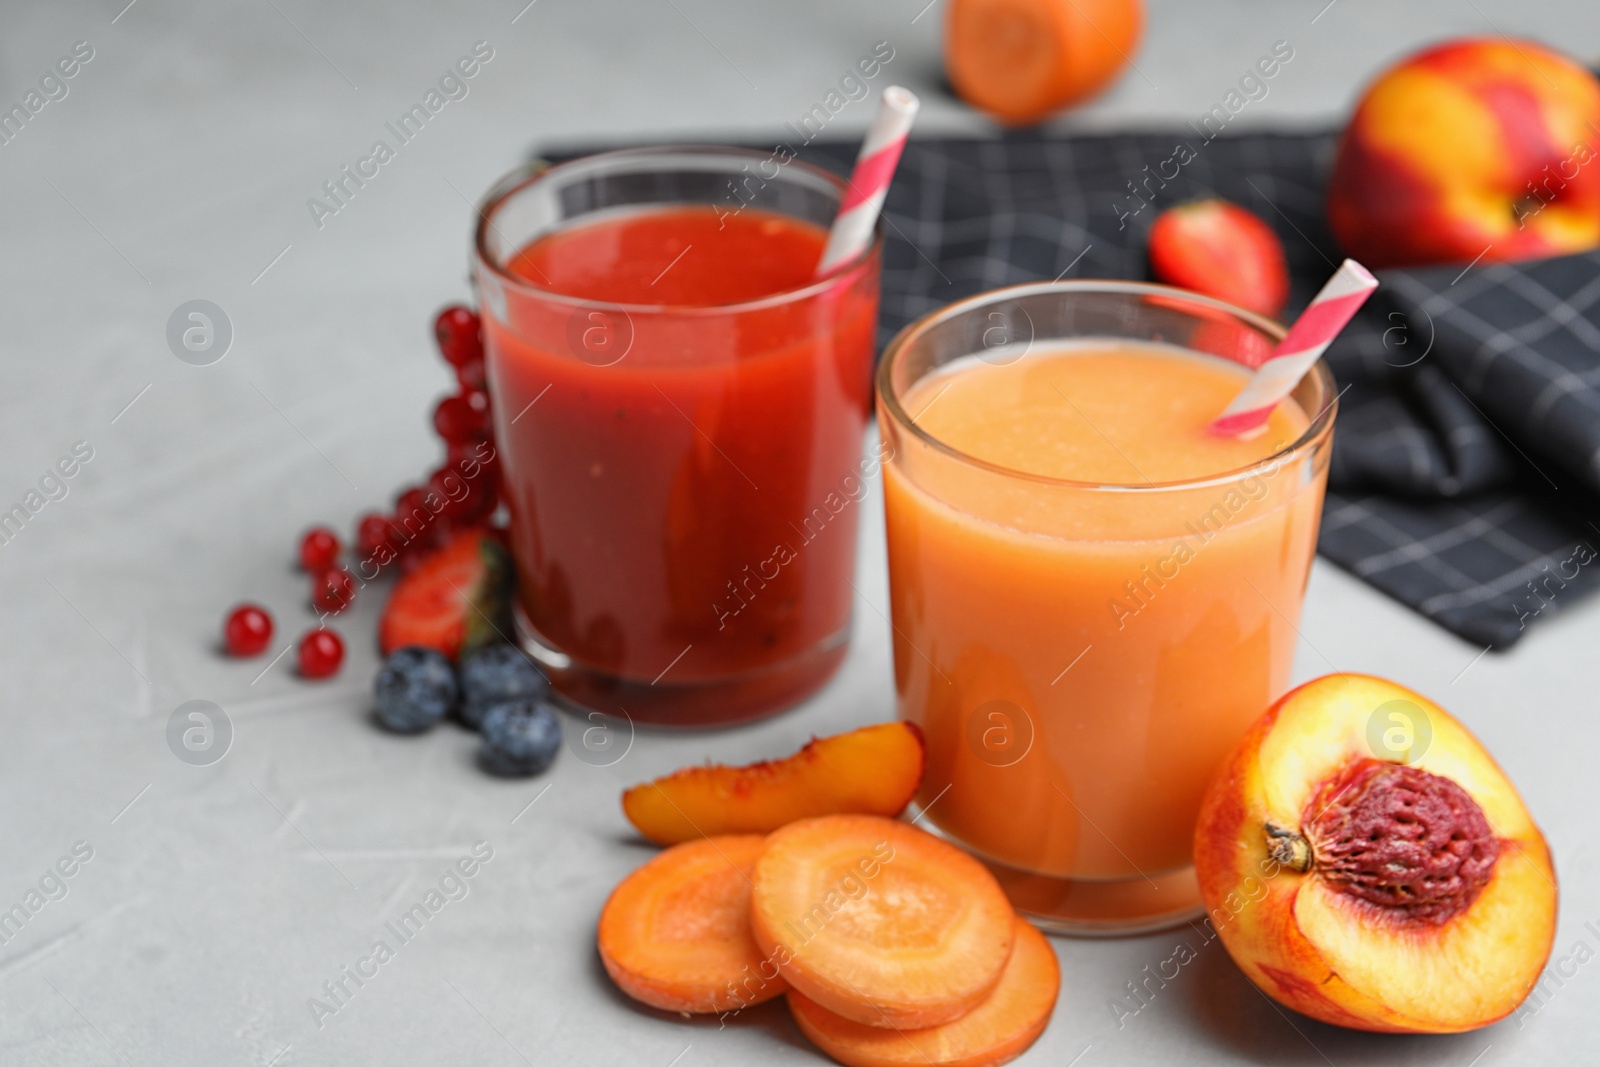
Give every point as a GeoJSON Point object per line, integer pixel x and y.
{"type": "Point", "coordinates": [1466, 467]}
{"type": "Point", "coordinates": [1467, 453]}
{"type": "Point", "coordinates": [1469, 369]}
{"type": "Point", "coordinates": [1485, 566]}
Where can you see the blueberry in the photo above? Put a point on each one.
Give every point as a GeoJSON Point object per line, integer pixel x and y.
{"type": "Point", "coordinates": [495, 675]}
{"type": "Point", "coordinates": [415, 689]}
{"type": "Point", "coordinates": [520, 737]}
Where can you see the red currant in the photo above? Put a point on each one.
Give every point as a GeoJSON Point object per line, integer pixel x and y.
{"type": "Point", "coordinates": [247, 630]}
{"type": "Point", "coordinates": [332, 590]}
{"type": "Point", "coordinates": [473, 375]}
{"type": "Point", "coordinates": [321, 653]}
{"type": "Point", "coordinates": [319, 549]}
{"type": "Point", "coordinates": [451, 488]}
{"type": "Point", "coordinates": [411, 515]}
{"type": "Point", "coordinates": [456, 330]}
{"type": "Point", "coordinates": [374, 535]}
{"type": "Point", "coordinates": [461, 418]}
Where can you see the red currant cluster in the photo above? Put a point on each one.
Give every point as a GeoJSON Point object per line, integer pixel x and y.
{"type": "Point", "coordinates": [463, 492]}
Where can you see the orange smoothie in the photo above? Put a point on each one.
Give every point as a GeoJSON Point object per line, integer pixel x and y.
{"type": "Point", "coordinates": [1092, 598]}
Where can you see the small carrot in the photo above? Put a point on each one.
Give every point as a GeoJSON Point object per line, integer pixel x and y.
{"type": "Point", "coordinates": [675, 934]}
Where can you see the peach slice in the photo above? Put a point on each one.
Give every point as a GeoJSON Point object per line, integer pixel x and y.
{"type": "Point", "coordinates": [1366, 862]}
{"type": "Point", "coordinates": [875, 770]}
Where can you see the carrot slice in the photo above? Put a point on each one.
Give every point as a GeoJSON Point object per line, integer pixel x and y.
{"type": "Point", "coordinates": [675, 933]}
{"type": "Point", "coordinates": [878, 921]}
{"type": "Point", "coordinates": [875, 770]}
{"type": "Point", "coordinates": [996, 1031]}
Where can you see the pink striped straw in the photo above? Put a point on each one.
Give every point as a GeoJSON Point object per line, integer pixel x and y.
{"type": "Point", "coordinates": [869, 182]}
{"type": "Point", "coordinates": [1307, 339]}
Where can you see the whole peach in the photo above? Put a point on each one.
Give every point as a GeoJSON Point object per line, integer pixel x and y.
{"type": "Point", "coordinates": [1477, 147]}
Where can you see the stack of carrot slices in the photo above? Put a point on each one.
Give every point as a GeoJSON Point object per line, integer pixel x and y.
{"type": "Point", "coordinates": [892, 946]}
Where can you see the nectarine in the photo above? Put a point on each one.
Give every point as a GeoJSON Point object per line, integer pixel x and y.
{"type": "Point", "coordinates": [1366, 862]}
{"type": "Point", "coordinates": [1473, 147]}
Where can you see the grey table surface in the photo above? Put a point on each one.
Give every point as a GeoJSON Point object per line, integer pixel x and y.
{"type": "Point", "coordinates": [218, 900]}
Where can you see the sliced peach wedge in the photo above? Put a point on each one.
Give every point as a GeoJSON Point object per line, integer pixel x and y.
{"type": "Point", "coordinates": [1367, 863]}
{"type": "Point", "coordinates": [875, 770]}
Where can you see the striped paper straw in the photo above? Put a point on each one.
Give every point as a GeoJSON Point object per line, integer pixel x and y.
{"type": "Point", "coordinates": [869, 182]}
{"type": "Point", "coordinates": [1308, 338]}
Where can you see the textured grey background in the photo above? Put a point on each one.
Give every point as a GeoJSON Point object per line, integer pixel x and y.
{"type": "Point", "coordinates": [216, 905]}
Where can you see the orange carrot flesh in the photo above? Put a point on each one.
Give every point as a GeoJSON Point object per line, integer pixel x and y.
{"type": "Point", "coordinates": [997, 1031]}
{"type": "Point", "coordinates": [675, 934]}
{"type": "Point", "coordinates": [1005, 57]}
{"type": "Point", "coordinates": [1021, 60]}
{"type": "Point", "coordinates": [875, 770]}
{"type": "Point", "coordinates": [878, 921]}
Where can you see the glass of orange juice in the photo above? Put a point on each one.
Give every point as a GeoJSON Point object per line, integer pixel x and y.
{"type": "Point", "coordinates": [1092, 595]}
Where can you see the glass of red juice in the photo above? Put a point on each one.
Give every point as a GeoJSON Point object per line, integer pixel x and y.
{"type": "Point", "coordinates": [680, 405]}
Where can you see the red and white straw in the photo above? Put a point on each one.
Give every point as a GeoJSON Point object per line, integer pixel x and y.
{"type": "Point", "coordinates": [869, 182]}
{"type": "Point", "coordinates": [1308, 338]}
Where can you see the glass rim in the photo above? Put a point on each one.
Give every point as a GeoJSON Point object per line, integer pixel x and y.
{"type": "Point", "coordinates": [520, 178]}
{"type": "Point", "coordinates": [1318, 426]}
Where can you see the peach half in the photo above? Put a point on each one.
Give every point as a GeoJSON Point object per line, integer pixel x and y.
{"type": "Point", "coordinates": [1367, 863]}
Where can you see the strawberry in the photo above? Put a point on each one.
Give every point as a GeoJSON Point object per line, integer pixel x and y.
{"type": "Point", "coordinates": [1221, 250]}
{"type": "Point", "coordinates": [457, 599]}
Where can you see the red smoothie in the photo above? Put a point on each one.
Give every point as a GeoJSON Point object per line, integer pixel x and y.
{"type": "Point", "coordinates": [685, 484]}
